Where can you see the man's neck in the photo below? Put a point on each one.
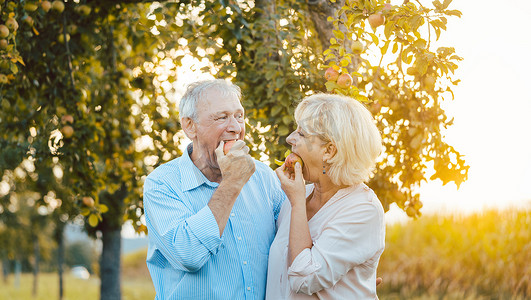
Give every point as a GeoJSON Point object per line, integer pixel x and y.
{"type": "Point", "coordinates": [212, 173]}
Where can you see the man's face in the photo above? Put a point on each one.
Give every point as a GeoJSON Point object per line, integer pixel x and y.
{"type": "Point", "coordinates": [220, 117]}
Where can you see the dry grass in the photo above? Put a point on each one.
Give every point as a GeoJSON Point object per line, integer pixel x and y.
{"type": "Point", "coordinates": [481, 256]}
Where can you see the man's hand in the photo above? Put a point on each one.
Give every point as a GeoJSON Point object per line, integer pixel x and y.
{"type": "Point", "coordinates": [237, 166]}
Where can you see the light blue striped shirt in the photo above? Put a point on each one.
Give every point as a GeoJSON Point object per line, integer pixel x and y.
{"type": "Point", "coordinates": [186, 257]}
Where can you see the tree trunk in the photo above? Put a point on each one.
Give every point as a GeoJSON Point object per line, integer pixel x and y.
{"type": "Point", "coordinates": [36, 251]}
{"type": "Point", "coordinates": [5, 269]}
{"type": "Point", "coordinates": [59, 238]}
{"type": "Point", "coordinates": [110, 264]}
{"type": "Point", "coordinates": [320, 10]}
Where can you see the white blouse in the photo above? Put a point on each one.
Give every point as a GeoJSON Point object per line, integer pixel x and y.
{"type": "Point", "coordinates": [348, 235]}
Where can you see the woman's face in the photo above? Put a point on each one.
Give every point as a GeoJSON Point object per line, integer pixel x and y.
{"type": "Point", "coordinates": [311, 149]}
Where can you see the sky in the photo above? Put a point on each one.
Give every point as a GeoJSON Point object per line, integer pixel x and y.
{"type": "Point", "coordinates": [492, 109]}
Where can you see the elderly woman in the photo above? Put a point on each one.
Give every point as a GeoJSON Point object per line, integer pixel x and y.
{"type": "Point", "coordinates": [331, 232]}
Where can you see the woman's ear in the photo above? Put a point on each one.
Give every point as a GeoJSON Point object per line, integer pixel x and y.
{"type": "Point", "coordinates": [189, 128]}
{"type": "Point", "coordinates": [329, 151]}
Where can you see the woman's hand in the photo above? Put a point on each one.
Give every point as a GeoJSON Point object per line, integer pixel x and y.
{"type": "Point", "coordinates": [292, 184]}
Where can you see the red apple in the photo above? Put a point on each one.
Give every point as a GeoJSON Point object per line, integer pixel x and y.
{"type": "Point", "coordinates": [227, 146]}
{"type": "Point", "coordinates": [46, 5]}
{"type": "Point", "coordinates": [290, 162]}
{"type": "Point", "coordinates": [58, 6]}
{"type": "Point", "coordinates": [4, 31]}
{"type": "Point", "coordinates": [88, 201]}
{"type": "Point", "coordinates": [67, 119]}
{"type": "Point", "coordinates": [344, 81]}
{"type": "Point", "coordinates": [376, 20]}
{"type": "Point", "coordinates": [331, 74]}
{"type": "Point", "coordinates": [67, 131]}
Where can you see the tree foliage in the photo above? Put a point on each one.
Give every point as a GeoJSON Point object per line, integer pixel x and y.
{"type": "Point", "coordinates": [87, 89]}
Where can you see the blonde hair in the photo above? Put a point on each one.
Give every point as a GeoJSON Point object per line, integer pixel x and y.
{"type": "Point", "coordinates": [350, 127]}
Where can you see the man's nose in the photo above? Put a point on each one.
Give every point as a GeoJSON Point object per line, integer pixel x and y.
{"type": "Point", "coordinates": [234, 125]}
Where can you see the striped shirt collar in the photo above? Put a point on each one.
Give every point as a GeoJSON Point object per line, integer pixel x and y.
{"type": "Point", "coordinates": [191, 176]}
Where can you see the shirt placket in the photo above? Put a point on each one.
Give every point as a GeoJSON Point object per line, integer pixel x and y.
{"type": "Point", "coordinates": [243, 253]}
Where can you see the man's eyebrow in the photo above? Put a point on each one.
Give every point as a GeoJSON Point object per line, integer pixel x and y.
{"type": "Point", "coordinates": [226, 112]}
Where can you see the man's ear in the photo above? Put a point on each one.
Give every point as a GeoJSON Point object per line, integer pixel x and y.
{"type": "Point", "coordinates": [329, 151]}
{"type": "Point", "coordinates": [189, 127]}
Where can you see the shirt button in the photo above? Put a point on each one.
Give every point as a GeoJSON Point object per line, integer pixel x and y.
{"type": "Point", "coordinates": [233, 214]}
{"type": "Point", "coordinates": [248, 288]}
{"type": "Point", "coordinates": [239, 238]}
{"type": "Point", "coordinates": [244, 262]}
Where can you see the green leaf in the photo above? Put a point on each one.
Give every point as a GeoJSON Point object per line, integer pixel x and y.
{"type": "Point", "coordinates": [283, 130]}
{"type": "Point", "coordinates": [383, 50]}
{"type": "Point", "coordinates": [389, 28]}
{"type": "Point", "coordinates": [446, 3]}
{"type": "Point", "coordinates": [374, 38]}
{"type": "Point", "coordinates": [276, 110]}
{"type": "Point", "coordinates": [395, 48]}
{"type": "Point", "coordinates": [339, 34]}
{"type": "Point", "coordinates": [453, 13]}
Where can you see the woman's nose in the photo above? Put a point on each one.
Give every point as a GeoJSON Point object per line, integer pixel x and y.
{"type": "Point", "coordinates": [290, 139]}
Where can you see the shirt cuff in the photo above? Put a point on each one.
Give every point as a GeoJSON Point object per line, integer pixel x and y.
{"type": "Point", "coordinates": [303, 264]}
{"type": "Point", "coordinates": [205, 228]}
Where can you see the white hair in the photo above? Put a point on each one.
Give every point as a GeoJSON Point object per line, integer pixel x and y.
{"type": "Point", "coordinates": [195, 91]}
{"type": "Point", "coordinates": [350, 127]}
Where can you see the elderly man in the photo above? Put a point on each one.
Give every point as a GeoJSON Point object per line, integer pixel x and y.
{"type": "Point", "coordinates": [210, 215]}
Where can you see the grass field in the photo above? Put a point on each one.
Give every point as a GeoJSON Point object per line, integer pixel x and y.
{"type": "Point", "coordinates": [484, 256]}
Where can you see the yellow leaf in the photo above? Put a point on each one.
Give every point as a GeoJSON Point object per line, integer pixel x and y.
{"type": "Point", "coordinates": [19, 59]}
{"type": "Point", "coordinates": [93, 220]}
{"type": "Point", "coordinates": [278, 162]}
{"type": "Point", "coordinates": [35, 31]}
{"type": "Point", "coordinates": [103, 208]}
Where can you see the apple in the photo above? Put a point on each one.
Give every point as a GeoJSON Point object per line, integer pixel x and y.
{"type": "Point", "coordinates": [12, 24]}
{"type": "Point", "coordinates": [67, 131]}
{"type": "Point", "coordinates": [58, 6]}
{"type": "Point", "coordinates": [375, 107]}
{"type": "Point", "coordinates": [3, 44]}
{"type": "Point", "coordinates": [376, 20]}
{"type": "Point", "coordinates": [410, 211]}
{"type": "Point", "coordinates": [3, 79]}
{"type": "Point", "coordinates": [29, 21]}
{"type": "Point", "coordinates": [67, 119]}
{"type": "Point", "coordinates": [61, 38]}
{"type": "Point", "coordinates": [227, 145]}
{"type": "Point", "coordinates": [331, 74]}
{"type": "Point", "coordinates": [387, 7]}
{"type": "Point", "coordinates": [88, 201]}
{"type": "Point", "coordinates": [357, 47]}
{"type": "Point", "coordinates": [429, 81]}
{"type": "Point", "coordinates": [46, 5]}
{"type": "Point", "coordinates": [344, 81]}
{"type": "Point", "coordinates": [4, 31]}
{"type": "Point", "coordinates": [290, 162]}
{"type": "Point", "coordinates": [30, 6]}
{"type": "Point", "coordinates": [84, 10]}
